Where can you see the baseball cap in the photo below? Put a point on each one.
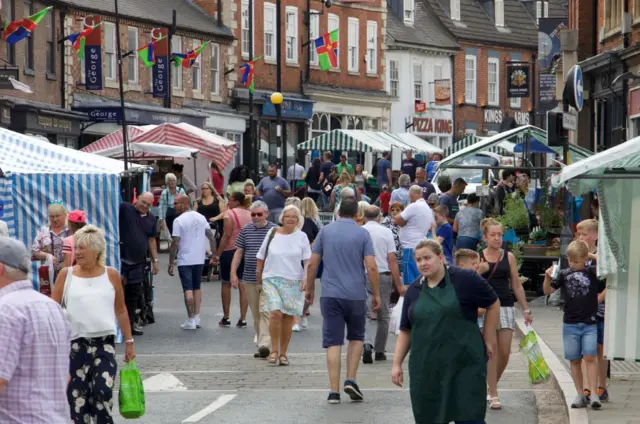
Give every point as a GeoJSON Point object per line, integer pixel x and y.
{"type": "Point", "coordinates": [77, 216]}
{"type": "Point", "coordinates": [13, 253]}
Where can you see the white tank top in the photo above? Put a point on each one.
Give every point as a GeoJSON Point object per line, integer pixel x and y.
{"type": "Point", "coordinates": [90, 304]}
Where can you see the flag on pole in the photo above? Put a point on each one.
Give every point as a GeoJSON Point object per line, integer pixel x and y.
{"type": "Point", "coordinates": [187, 60]}
{"type": "Point", "coordinates": [78, 40]}
{"type": "Point", "coordinates": [17, 30]}
{"type": "Point", "coordinates": [327, 50]}
{"type": "Point", "coordinates": [147, 53]}
{"type": "Point", "coordinates": [247, 73]}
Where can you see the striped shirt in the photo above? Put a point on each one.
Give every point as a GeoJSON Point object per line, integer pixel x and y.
{"type": "Point", "coordinates": [250, 239]}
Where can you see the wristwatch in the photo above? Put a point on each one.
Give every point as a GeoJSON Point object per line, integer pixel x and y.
{"type": "Point", "coordinates": [156, 260]}
{"type": "Point", "coordinates": [527, 311]}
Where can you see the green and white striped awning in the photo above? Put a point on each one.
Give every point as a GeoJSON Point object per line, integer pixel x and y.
{"type": "Point", "coordinates": [365, 141]}
{"type": "Point", "coordinates": [468, 141]}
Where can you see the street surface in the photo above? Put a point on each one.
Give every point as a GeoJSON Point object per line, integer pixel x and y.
{"type": "Point", "coordinates": [210, 376]}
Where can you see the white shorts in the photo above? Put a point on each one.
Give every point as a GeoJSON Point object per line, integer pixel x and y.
{"type": "Point", "coordinates": [507, 318]}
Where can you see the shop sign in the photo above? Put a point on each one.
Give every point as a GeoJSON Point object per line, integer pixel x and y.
{"type": "Point", "coordinates": [93, 54]}
{"type": "Point", "coordinates": [442, 88]}
{"type": "Point", "coordinates": [433, 126]}
{"type": "Point", "coordinates": [548, 48]}
{"type": "Point", "coordinates": [292, 109]}
{"type": "Point", "coordinates": [518, 80]}
{"type": "Point", "coordinates": [160, 71]}
{"type": "Point", "coordinates": [105, 114]}
{"type": "Point", "coordinates": [5, 74]}
{"type": "Point", "coordinates": [420, 107]}
{"type": "Point", "coordinates": [492, 116]}
{"type": "Point", "coordinates": [134, 116]}
{"type": "Point", "coordinates": [59, 125]}
{"type": "Point", "coordinates": [521, 118]}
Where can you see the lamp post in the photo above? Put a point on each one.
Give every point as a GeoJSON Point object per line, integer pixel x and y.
{"type": "Point", "coordinates": [125, 134]}
{"type": "Point", "coordinates": [277, 96]}
{"type": "Point", "coordinates": [277, 99]}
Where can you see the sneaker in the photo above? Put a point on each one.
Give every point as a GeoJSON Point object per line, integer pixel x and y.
{"type": "Point", "coordinates": [224, 322]}
{"type": "Point", "coordinates": [367, 354]}
{"type": "Point", "coordinates": [333, 398]}
{"type": "Point", "coordinates": [603, 394]}
{"type": "Point", "coordinates": [255, 339]}
{"type": "Point", "coordinates": [196, 319]}
{"type": "Point", "coordinates": [380, 356]}
{"type": "Point", "coordinates": [137, 331]}
{"type": "Point", "coordinates": [595, 402]}
{"type": "Point", "coordinates": [352, 389]}
{"type": "Point", "coordinates": [579, 402]}
{"type": "Point", "coordinates": [304, 322]}
{"type": "Point", "coordinates": [296, 328]}
{"type": "Point", "coordinates": [189, 324]}
{"type": "Point", "coordinates": [587, 394]}
{"type": "Point", "coordinates": [241, 324]}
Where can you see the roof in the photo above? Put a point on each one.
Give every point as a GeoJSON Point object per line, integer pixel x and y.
{"type": "Point", "coordinates": [427, 31]}
{"type": "Point", "coordinates": [190, 17]}
{"type": "Point", "coordinates": [476, 25]}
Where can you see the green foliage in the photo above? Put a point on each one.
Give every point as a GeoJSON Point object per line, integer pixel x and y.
{"type": "Point", "coordinates": [538, 235]}
{"type": "Point", "coordinates": [515, 215]}
{"type": "Point", "coordinates": [444, 182]}
{"type": "Point", "coordinates": [517, 250]}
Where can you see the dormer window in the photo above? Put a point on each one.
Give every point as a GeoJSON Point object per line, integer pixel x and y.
{"type": "Point", "coordinates": [409, 12]}
{"type": "Point", "coordinates": [455, 10]}
{"type": "Point", "coordinates": [499, 12]}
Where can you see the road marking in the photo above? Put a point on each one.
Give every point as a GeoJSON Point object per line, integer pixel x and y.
{"type": "Point", "coordinates": [217, 404]}
{"type": "Point", "coordinates": [182, 355]}
{"type": "Point", "coordinates": [370, 371]}
{"type": "Point", "coordinates": [163, 382]}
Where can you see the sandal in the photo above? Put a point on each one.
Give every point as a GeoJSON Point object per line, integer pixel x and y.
{"type": "Point", "coordinates": [494, 404]}
{"type": "Point", "coordinates": [284, 361]}
{"type": "Point", "coordinates": [273, 358]}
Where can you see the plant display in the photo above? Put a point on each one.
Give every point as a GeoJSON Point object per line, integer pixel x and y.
{"type": "Point", "coordinates": [515, 215]}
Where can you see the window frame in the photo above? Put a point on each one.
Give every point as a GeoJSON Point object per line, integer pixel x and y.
{"type": "Point", "coordinates": [372, 47]}
{"type": "Point", "coordinates": [471, 93]}
{"type": "Point", "coordinates": [455, 10]}
{"type": "Point", "coordinates": [410, 7]}
{"type": "Point", "coordinates": [51, 45]}
{"type": "Point", "coordinates": [314, 28]}
{"type": "Point", "coordinates": [244, 26]}
{"type": "Point", "coordinates": [332, 17]}
{"type": "Point", "coordinates": [112, 27]}
{"type": "Point", "coordinates": [196, 68]}
{"type": "Point", "coordinates": [176, 71]}
{"type": "Point", "coordinates": [493, 61]}
{"type": "Point", "coordinates": [215, 70]}
{"type": "Point", "coordinates": [417, 82]}
{"type": "Point", "coordinates": [352, 44]}
{"type": "Point", "coordinates": [612, 22]}
{"type": "Point", "coordinates": [29, 53]}
{"type": "Point", "coordinates": [294, 37]}
{"type": "Point", "coordinates": [269, 9]}
{"type": "Point", "coordinates": [394, 89]}
{"type": "Point", "coordinates": [133, 58]}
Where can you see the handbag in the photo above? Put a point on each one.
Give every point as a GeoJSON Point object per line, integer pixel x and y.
{"type": "Point", "coordinates": [131, 395]}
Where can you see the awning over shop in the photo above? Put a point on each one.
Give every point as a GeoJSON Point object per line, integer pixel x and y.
{"type": "Point", "coordinates": [366, 141]}
{"type": "Point", "coordinates": [141, 150]}
{"type": "Point", "coordinates": [526, 131]}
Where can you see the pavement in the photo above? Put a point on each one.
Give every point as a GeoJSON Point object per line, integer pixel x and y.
{"type": "Point", "coordinates": [210, 376]}
{"type": "Point", "coordinates": [624, 384]}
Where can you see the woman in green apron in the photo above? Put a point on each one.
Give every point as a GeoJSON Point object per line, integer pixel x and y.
{"type": "Point", "coordinates": [447, 366]}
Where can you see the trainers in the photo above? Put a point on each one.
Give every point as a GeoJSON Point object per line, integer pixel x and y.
{"type": "Point", "coordinates": [196, 319]}
{"type": "Point", "coordinates": [603, 394]}
{"type": "Point", "coordinates": [587, 394]}
{"type": "Point", "coordinates": [367, 354]}
{"type": "Point", "coordinates": [380, 356]}
{"type": "Point", "coordinates": [189, 324]}
{"type": "Point", "coordinates": [333, 398]}
{"type": "Point", "coordinates": [241, 324]}
{"type": "Point", "coordinates": [352, 389]}
{"type": "Point", "coordinates": [304, 322]}
{"type": "Point", "coordinates": [579, 402]}
{"type": "Point", "coordinates": [595, 402]}
{"type": "Point", "coordinates": [297, 328]}
{"type": "Point", "coordinates": [255, 339]}
{"type": "Point", "coordinates": [224, 322]}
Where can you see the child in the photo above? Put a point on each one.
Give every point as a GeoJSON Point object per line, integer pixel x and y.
{"type": "Point", "coordinates": [384, 198]}
{"type": "Point", "coordinates": [444, 232]}
{"type": "Point", "coordinates": [469, 259]}
{"type": "Point", "coordinates": [588, 232]}
{"type": "Point", "coordinates": [580, 286]}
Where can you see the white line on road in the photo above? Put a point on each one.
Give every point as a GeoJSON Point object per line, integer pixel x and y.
{"type": "Point", "coordinates": [369, 371]}
{"type": "Point", "coordinates": [217, 404]}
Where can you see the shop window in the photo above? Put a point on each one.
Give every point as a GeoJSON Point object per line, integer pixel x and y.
{"type": "Point", "coordinates": [319, 124]}
{"type": "Point", "coordinates": [354, 123]}
{"type": "Point", "coordinates": [28, 44]}
{"type": "Point", "coordinates": [237, 138]}
{"type": "Point", "coordinates": [132, 60]}
{"type": "Point", "coordinates": [8, 13]}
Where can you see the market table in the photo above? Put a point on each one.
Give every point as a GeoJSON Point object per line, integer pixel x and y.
{"type": "Point", "coordinates": [534, 267]}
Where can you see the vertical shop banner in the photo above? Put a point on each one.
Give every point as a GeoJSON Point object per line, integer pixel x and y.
{"type": "Point", "coordinates": [93, 54]}
{"type": "Point", "coordinates": [442, 88]}
{"type": "Point", "coordinates": [161, 67]}
{"type": "Point", "coordinates": [518, 75]}
{"type": "Point", "coordinates": [548, 54]}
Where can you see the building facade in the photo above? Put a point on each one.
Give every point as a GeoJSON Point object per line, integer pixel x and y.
{"type": "Point", "coordinates": [419, 62]}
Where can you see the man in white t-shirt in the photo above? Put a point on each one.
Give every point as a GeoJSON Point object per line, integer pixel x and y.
{"type": "Point", "coordinates": [415, 222]}
{"type": "Point", "coordinates": [189, 245]}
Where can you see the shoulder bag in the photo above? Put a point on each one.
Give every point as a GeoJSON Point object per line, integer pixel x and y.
{"type": "Point", "coordinates": [272, 235]}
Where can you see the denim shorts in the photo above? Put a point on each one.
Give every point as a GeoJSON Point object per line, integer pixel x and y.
{"type": "Point", "coordinates": [336, 313]}
{"type": "Point", "coordinates": [190, 276]}
{"type": "Point", "coordinates": [579, 340]}
{"type": "Point", "coordinates": [600, 332]}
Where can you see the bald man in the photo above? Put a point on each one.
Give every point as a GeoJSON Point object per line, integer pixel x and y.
{"type": "Point", "coordinates": [137, 242]}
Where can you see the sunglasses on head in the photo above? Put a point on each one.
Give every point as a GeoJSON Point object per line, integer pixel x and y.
{"type": "Point", "coordinates": [56, 202]}
{"type": "Point", "coordinates": [254, 214]}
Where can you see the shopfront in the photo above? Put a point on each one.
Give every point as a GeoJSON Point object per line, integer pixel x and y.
{"type": "Point", "coordinates": [497, 120]}
{"type": "Point", "coordinates": [436, 127]}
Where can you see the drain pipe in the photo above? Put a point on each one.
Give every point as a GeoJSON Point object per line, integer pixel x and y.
{"type": "Point", "coordinates": [219, 12]}
{"type": "Point", "coordinates": [63, 79]}
{"type": "Point", "coordinates": [452, 59]}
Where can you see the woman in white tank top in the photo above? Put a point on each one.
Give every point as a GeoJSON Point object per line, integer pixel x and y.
{"type": "Point", "coordinates": [93, 299]}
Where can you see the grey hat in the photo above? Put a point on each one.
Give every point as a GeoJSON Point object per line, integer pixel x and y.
{"type": "Point", "coordinates": [13, 253]}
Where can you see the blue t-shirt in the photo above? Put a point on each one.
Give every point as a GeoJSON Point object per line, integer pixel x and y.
{"type": "Point", "coordinates": [267, 188]}
{"type": "Point", "coordinates": [427, 189]}
{"type": "Point", "coordinates": [343, 245]}
{"type": "Point", "coordinates": [451, 202]}
{"type": "Point", "coordinates": [446, 232]}
{"type": "Point", "coordinates": [432, 167]}
{"type": "Point", "coordinates": [326, 169]}
{"type": "Point", "coordinates": [472, 290]}
{"type": "Point", "coordinates": [383, 165]}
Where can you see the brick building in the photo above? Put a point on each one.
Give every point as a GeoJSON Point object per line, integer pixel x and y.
{"type": "Point", "coordinates": [316, 102]}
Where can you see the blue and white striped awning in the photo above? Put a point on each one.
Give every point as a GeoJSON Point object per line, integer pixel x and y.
{"type": "Point", "coordinates": [367, 141]}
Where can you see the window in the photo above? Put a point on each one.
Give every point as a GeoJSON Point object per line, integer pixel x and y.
{"type": "Point", "coordinates": [28, 45]}
{"type": "Point", "coordinates": [8, 13]}
{"type": "Point", "coordinates": [417, 81]}
{"type": "Point", "coordinates": [499, 12]}
{"type": "Point", "coordinates": [470, 79]}
{"type": "Point", "coordinates": [437, 71]}
{"type": "Point", "coordinates": [352, 44]}
{"type": "Point", "coordinates": [314, 22]}
{"type": "Point", "coordinates": [636, 9]}
{"type": "Point", "coordinates": [196, 69]}
{"type": "Point", "coordinates": [612, 14]}
{"type": "Point", "coordinates": [408, 11]}
{"type": "Point", "coordinates": [132, 60]}
{"type": "Point", "coordinates": [394, 80]}
{"type": "Point", "coordinates": [493, 81]}
{"type": "Point", "coordinates": [110, 50]}
{"type": "Point", "coordinates": [372, 47]}
{"type": "Point", "coordinates": [50, 55]}
{"type": "Point", "coordinates": [516, 102]}
{"type": "Point", "coordinates": [334, 23]}
{"type": "Point", "coordinates": [455, 10]}
{"type": "Point", "coordinates": [292, 34]}
{"type": "Point", "coordinates": [215, 69]}
{"type": "Point", "coordinates": [269, 31]}
{"type": "Point", "coordinates": [245, 27]}
{"type": "Point", "coordinates": [469, 131]}
{"type": "Point", "coordinates": [542, 10]}
{"type": "Point", "coordinates": [176, 72]}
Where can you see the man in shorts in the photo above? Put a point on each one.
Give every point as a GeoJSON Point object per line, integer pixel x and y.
{"type": "Point", "coordinates": [188, 245]}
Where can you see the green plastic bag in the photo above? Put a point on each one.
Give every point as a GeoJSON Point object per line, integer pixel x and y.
{"type": "Point", "coordinates": [131, 396]}
{"type": "Point", "coordinates": [538, 368]}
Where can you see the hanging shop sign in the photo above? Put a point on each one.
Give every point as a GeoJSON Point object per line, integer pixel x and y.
{"type": "Point", "coordinates": [433, 126]}
{"type": "Point", "coordinates": [160, 72]}
{"type": "Point", "coordinates": [93, 54]}
{"type": "Point", "coordinates": [442, 89]}
{"type": "Point", "coordinates": [420, 107]}
{"type": "Point", "coordinates": [518, 80]}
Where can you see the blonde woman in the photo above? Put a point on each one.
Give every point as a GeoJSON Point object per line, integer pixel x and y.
{"type": "Point", "coordinates": [343, 182]}
{"type": "Point", "coordinates": [93, 297]}
{"type": "Point", "coordinates": [362, 206]}
{"type": "Point", "coordinates": [282, 262]}
{"type": "Point", "coordinates": [166, 209]}
{"type": "Point", "coordinates": [50, 238]}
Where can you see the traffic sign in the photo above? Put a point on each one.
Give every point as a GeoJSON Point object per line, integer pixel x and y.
{"type": "Point", "coordinates": [569, 122]}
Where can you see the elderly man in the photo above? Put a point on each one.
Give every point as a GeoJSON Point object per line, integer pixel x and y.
{"type": "Point", "coordinates": [414, 222]}
{"type": "Point", "coordinates": [346, 249]}
{"type": "Point", "coordinates": [427, 187]}
{"type": "Point", "coordinates": [347, 193]}
{"type": "Point", "coordinates": [247, 246]}
{"type": "Point", "coordinates": [35, 338]}
{"type": "Point", "coordinates": [388, 274]}
{"type": "Point", "coordinates": [137, 241]}
{"type": "Point", "coordinates": [401, 194]}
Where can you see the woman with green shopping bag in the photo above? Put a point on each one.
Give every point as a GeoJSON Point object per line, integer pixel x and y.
{"type": "Point", "coordinates": [447, 366]}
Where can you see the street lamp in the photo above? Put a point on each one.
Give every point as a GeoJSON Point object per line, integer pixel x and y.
{"type": "Point", "coordinates": [277, 98]}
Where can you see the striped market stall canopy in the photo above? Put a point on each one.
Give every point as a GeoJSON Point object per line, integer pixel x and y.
{"type": "Point", "coordinates": [365, 141]}
{"type": "Point", "coordinates": [470, 140]}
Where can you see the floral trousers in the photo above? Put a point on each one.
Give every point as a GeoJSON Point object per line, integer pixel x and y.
{"type": "Point", "coordinates": [93, 371]}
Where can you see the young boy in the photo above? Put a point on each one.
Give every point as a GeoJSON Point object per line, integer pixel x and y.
{"type": "Point", "coordinates": [588, 232]}
{"type": "Point", "coordinates": [444, 231]}
{"type": "Point", "coordinates": [580, 286]}
{"type": "Point", "coordinates": [469, 259]}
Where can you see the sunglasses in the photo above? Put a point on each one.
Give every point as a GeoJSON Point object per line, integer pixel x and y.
{"type": "Point", "coordinates": [56, 202]}
{"type": "Point", "coordinates": [254, 214]}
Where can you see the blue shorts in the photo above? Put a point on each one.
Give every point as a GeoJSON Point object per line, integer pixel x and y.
{"type": "Point", "coordinates": [600, 332]}
{"type": "Point", "coordinates": [466, 242]}
{"type": "Point", "coordinates": [579, 340]}
{"type": "Point", "coordinates": [410, 271]}
{"type": "Point", "coordinates": [336, 313]}
{"type": "Point", "coordinates": [190, 276]}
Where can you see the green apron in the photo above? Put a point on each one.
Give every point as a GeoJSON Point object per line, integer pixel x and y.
{"type": "Point", "coordinates": [447, 369]}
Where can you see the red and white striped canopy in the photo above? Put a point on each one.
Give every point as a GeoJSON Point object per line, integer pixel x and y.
{"type": "Point", "coordinates": [115, 138]}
